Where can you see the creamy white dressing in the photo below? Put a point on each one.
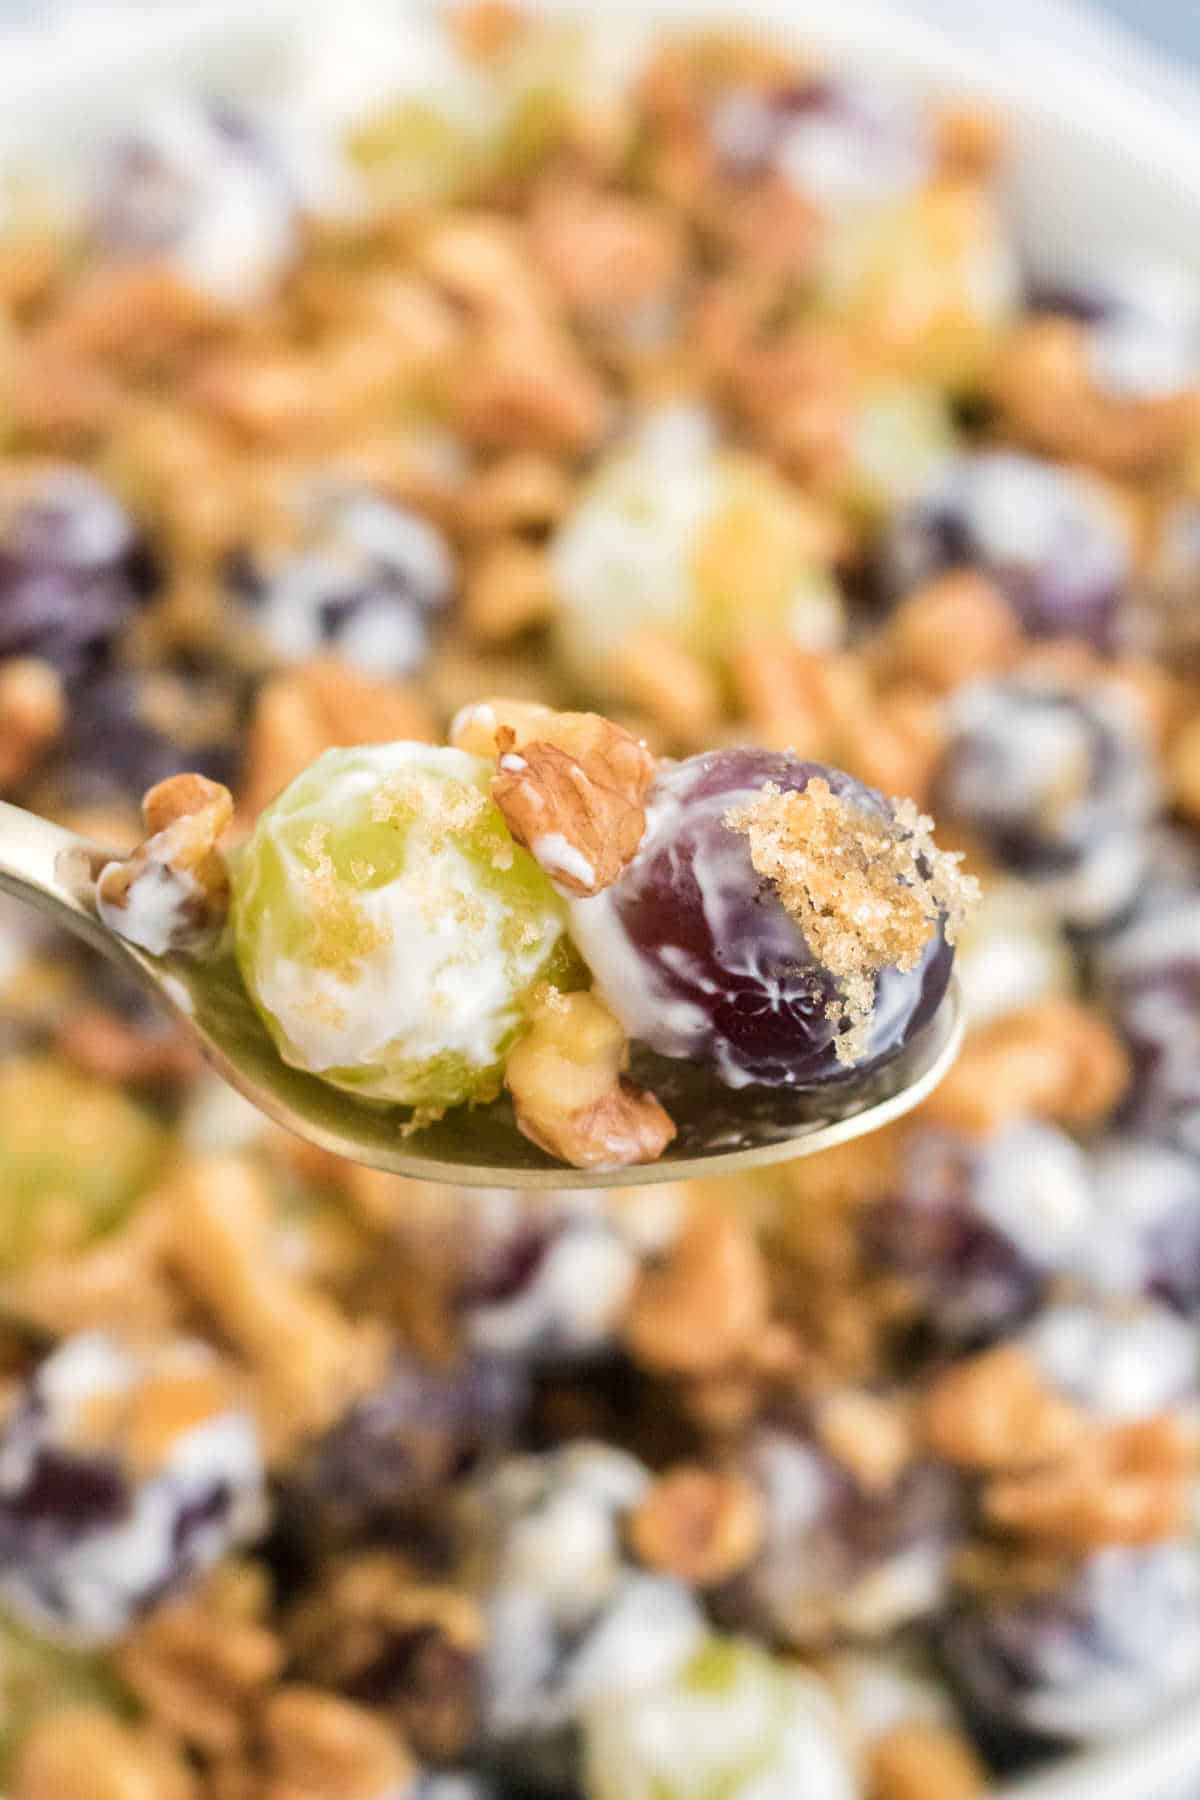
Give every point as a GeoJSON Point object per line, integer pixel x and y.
{"type": "Point", "coordinates": [155, 909]}
{"type": "Point", "coordinates": [443, 974]}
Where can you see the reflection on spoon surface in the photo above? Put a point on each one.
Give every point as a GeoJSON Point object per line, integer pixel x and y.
{"type": "Point", "coordinates": [53, 870]}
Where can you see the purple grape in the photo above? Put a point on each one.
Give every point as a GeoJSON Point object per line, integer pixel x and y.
{"type": "Point", "coordinates": [979, 1227]}
{"type": "Point", "coordinates": [201, 186]}
{"type": "Point", "coordinates": [72, 571]}
{"type": "Point", "coordinates": [86, 1543]}
{"type": "Point", "coordinates": [841, 140]}
{"type": "Point", "coordinates": [1143, 327]}
{"type": "Point", "coordinates": [364, 587]}
{"type": "Point", "coordinates": [1060, 783]}
{"type": "Point", "coordinates": [698, 957]}
{"type": "Point", "coordinates": [1148, 1242]}
{"type": "Point", "coordinates": [838, 1561]}
{"type": "Point", "coordinates": [402, 1446]}
{"type": "Point", "coordinates": [1047, 535]}
{"type": "Point", "coordinates": [1152, 979]}
{"type": "Point", "coordinates": [113, 748]}
{"type": "Point", "coordinates": [1118, 1360]}
{"type": "Point", "coordinates": [1091, 1659]}
{"type": "Point", "coordinates": [544, 1278]}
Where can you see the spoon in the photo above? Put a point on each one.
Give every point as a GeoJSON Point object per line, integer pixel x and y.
{"type": "Point", "coordinates": [55, 871]}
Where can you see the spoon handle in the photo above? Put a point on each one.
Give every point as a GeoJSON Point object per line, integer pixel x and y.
{"type": "Point", "coordinates": [50, 868]}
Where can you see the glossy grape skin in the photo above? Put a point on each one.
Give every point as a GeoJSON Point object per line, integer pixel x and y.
{"type": "Point", "coordinates": [698, 957]}
{"type": "Point", "coordinates": [88, 1541]}
{"type": "Point", "coordinates": [362, 586]}
{"type": "Point", "coordinates": [980, 1228]}
{"type": "Point", "coordinates": [388, 928]}
{"type": "Point", "coordinates": [1151, 975]}
{"type": "Point", "coordinates": [838, 1562]}
{"type": "Point", "coordinates": [1091, 1659]}
{"type": "Point", "coordinates": [73, 570]}
{"type": "Point", "coordinates": [1048, 537]}
{"type": "Point", "coordinates": [1059, 783]}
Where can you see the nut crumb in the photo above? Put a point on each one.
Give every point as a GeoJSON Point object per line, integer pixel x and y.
{"type": "Point", "coordinates": [1129, 1484]}
{"type": "Point", "coordinates": [571, 787]}
{"type": "Point", "coordinates": [569, 1093]}
{"type": "Point", "coordinates": [699, 1524]}
{"type": "Point", "coordinates": [920, 1760]}
{"type": "Point", "coordinates": [173, 892]}
{"type": "Point", "coordinates": [867, 893]}
{"type": "Point", "coordinates": [994, 1411]}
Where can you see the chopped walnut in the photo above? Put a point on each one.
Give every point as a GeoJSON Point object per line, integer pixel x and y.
{"type": "Point", "coordinates": [1183, 769]}
{"type": "Point", "coordinates": [867, 893]}
{"type": "Point", "coordinates": [89, 1754]}
{"type": "Point", "coordinates": [702, 1308]}
{"type": "Point", "coordinates": [1130, 1484]}
{"type": "Point", "coordinates": [372, 1631]}
{"type": "Point", "coordinates": [797, 700]}
{"type": "Point", "coordinates": [676, 689]}
{"type": "Point", "coordinates": [605, 254]}
{"type": "Point", "coordinates": [569, 1093]}
{"type": "Point", "coordinates": [507, 590]}
{"type": "Point", "coordinates": [955, 629]}
{"type": "Point", "coordinates": [120, 1283]}
{"type": "Point", "coordinates": [521, 492]}
{"type": "Point", "coordinates": [1055, 1059]}
{"type": "Point", "coordinates": [32, 714]}
{"type": "Point", "coordinates": [919, 1760]}
{"type": "Point", "coordinates": [699, 1524]}
{"type": "Point", "coordinates": [318, 1747]}
{"type": "Point", "coordinates": [173, 892]}
{"type": "Point", "coordinates": [201, 1667]}
{"type": "Point", "coordinates": [307, 1362]}
{"type": "Point", "coordinates": [102, 1043]}
{"type": "Point", "coordinates": [571, 786]}
{"type": "Point", "coordinates": [528, 388]}
{"type": "Point", "coordinates": [870, 1436]}
{"type": "Point", "coordinates": [994, 1411]}
{"type": "Point", "coordinates": [1044, 385]}
{"type": "Point", "coordinates": [323, 705]}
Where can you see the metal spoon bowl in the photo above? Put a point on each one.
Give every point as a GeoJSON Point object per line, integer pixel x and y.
{"type": "Point", "coordinates": [53, 870]}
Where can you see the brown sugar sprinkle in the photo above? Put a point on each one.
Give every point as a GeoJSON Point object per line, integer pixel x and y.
{"type": "Point", "coordinates": [342, 934]}
{"type": "Point", "coordinates": [867, 893]}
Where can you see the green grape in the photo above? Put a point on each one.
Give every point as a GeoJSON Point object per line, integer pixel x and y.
{"type": "Point", "coordinates": [735, 1723]}
{"type": "Point", "coordinates": [75, 1154]}
{"type": "Point", "coordinates": [388, 928]}
{"type": "Point", "coordinates": [708, 546]}
{"type": "Point", "coordinates": [903, 432]}
{"type": "Point", "coordinates": [37, 1677]}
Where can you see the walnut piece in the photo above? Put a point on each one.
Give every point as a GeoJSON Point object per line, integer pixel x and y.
{"type": "Point", "coordinates": [306, 1361]}
{"type": "Point", "coordinates": [994, 1411]}
{"type": "Point", "coordinates": [1055, 1059]}
{"type": "Point", "coordinates": [870, 1436]}
{"type": "Point", "coordinates": [32, 714]}
{"type": "Point", "coordinates": [570, 785]}
{"type": "Point", "coordinates": [702, 1525]}
{"type": "Point", "coordinates": [1129, 1484]}
{"type": "Point", "coordinates": [703, 1308]}
{"type": "Point", "coordinates": [415, 1648]}
{"type": "Point", "coordinates": [956, 628]}
{"type": "Point", "coordinates": [173, 892]}
{"type": "Point", "coordinates": [319, 1747]}
{"type": "Point", "coordinates": [323, 704]}
{"type": "Point", "coordinates": [200, 1668]}
{"type": "Point", "coordinates": [89, 1754]}
{"type": "Point", "coordinates": [568, 1090]}
{"type": "Point", "coordinates": [919, 1760]}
